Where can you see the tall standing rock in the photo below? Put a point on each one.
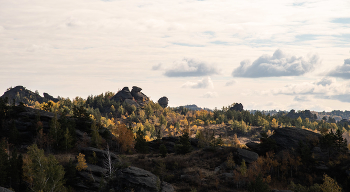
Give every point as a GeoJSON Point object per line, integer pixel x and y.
{"type": "Point", "coordinates": [163, 101]}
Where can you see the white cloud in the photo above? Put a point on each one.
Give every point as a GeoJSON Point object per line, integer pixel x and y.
{"type": "Point", "coordinates": [190, 68]}
{"type": "Point", "coordinates": [279, 64]}
{"type": "Point", "coordinates": [200, 84]}
{"type": "Point", "coordinates": [342, 71]}
{"type": "Point", "coordinates": [210, 95]}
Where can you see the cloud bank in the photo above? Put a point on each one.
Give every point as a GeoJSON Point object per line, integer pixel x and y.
{"type": "Point", "coordinates": [201, 84]}
{"type": "Point", "coordinates": [191, 68]}
{"type": "Point", "coordinates": [342, 71]}
{"type": "Point", "coordinates": [326, 88]}
{"type": "Point", "coordinates": [279, 64]}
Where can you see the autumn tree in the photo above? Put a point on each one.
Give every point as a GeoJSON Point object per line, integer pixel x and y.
{"type": "Point", "coordinates": [125, 137]}
{"type": "Point", "coordinates": [236, 142]}
{"type": "Point", "coordinates": [81, 162]}
{"type": "Point", "coordinates": [274, 123]}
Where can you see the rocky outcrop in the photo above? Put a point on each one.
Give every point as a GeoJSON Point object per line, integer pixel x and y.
{"type": "Point", "coordinates": [49, 97]}
{"type": "Point", "coordinates": [138, 95]}
{"type": "Point", "coordinates": [122, 95]}
{"type": "Point", "coordinates": [135, 97]}
{"type": "Point", "coordinates": [302, 114]}
{"type": "Point", "coordinates": [237, 107]}
{"type": "Point", "coordinates": [141, 180]}
{"type": "Point", "coordinates": [163, 101]}
{"type": "Point", "coordinates": [288, 138]}
{"type": "Point", "coordinates": [247, 156]}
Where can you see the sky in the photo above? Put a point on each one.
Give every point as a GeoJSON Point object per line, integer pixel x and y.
{"type": "Point", "coordinates": [264, 54]}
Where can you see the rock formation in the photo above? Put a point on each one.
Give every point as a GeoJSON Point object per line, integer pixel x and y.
{"type": "Point", "coordinates": [141, 180]}
{"type": "Point", "coordinates": [135, 97]}
{"type": "Point", "coordinates": [289, 137]}
{"type": "Point", "coordinates": [237, 107]}
{"type": "Point", "coordinates": [163, 101]}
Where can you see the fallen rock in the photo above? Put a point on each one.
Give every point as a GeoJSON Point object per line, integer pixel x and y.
{"type": "Point", "coordinates": [247, 156]}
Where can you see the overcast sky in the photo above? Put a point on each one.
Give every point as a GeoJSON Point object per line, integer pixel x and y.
{"type": "Point", "coordinates": [264, 54]}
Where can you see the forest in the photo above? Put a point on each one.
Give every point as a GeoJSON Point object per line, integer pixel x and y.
{"type": "Point", "coordinates": [62, 144]}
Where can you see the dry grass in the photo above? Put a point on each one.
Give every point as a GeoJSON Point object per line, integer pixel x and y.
{"type": "Point", "coordinates": [64, 158]}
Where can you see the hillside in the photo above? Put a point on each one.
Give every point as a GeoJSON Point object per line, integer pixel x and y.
{"type": "Point", "coordinates": [124, 141]}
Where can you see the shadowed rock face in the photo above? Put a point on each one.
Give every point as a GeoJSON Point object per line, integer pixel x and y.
{"type": "Point", "coordinates": [289, 137]}
{"type": "Point", "coordinates": [141, 180]}
{"type": "Point", "coordinates": [163, 101]}
{"type": "Point", "coordinates": [122, 95]}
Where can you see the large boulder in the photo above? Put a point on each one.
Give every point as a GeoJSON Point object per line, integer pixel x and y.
{"type": "Point", "coordinates": [141, 180]}
{"type": "Point", "coordinates": [288, 138]}
{"type": "Point", "coordinates": [247, 156]}
{"type": "Point", "coordinates": [237, 107]}
{"type": "Point", "coordinates": [122, 95]}
{"type": "Point", "coordinates": [163, 101]}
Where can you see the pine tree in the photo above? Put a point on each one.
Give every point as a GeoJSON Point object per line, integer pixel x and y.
{"type": "Point", "coordinates": [185, 144]}
{"type": "Point", "coordinates": [140, 142]}
{"type": "Point", "coordinates": [96, 138]}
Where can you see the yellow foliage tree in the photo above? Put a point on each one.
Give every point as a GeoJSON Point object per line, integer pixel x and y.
{"type": "Point", "coordinates": [330, 185]}
{"type": "Point", "coordinates": [125, 137]}
{"type": "Point", "coordinates": [81, 162]}
{"type": "Point", "coordinates": [236, 142]}
{"type": "Point", "coordinates": [274, 123]}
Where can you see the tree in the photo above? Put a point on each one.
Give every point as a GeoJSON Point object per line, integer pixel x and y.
{"type": "Point", "coordinates": [81, 162]}
{"type": "Point", "coordinates": [96, 138]}
{"type": "Point", "coordinates": [185, 145]}
{"type": "Point", "coordinates": [330, 185]}
{"type": "Point", "coordinates": [125, 137]}
{"type": "Point", "coordinates": [140, 142]}
{"type": "Point", "coordinates": [274, 123]}
{"type": "Point", "coordinates": [55, 131]}
{"type": "Point", "coordinates": [41, 172]}
{"type": "Point", "coordinates": [230, 162]}
{"type": "Point", "coordinates": [236, 142]}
